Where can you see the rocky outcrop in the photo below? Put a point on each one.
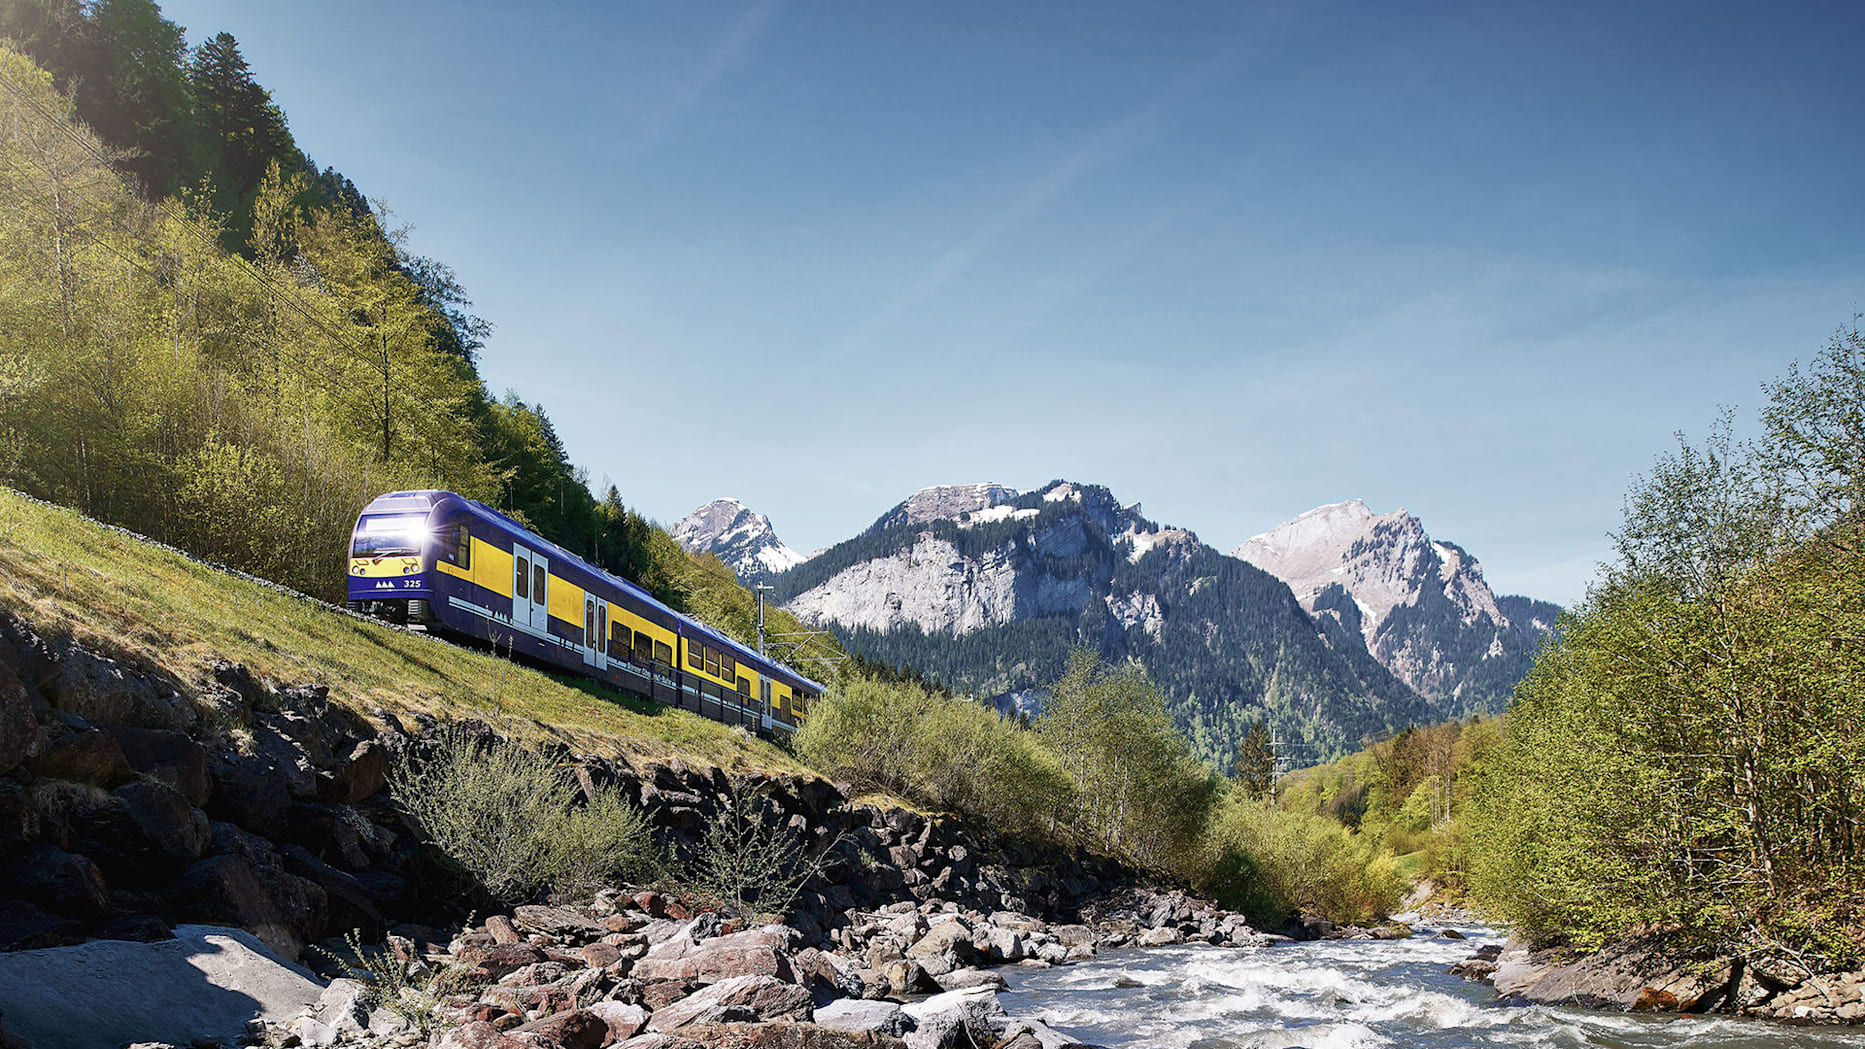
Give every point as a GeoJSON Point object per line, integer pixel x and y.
{"type": "Point", "coordinates": [1658, 974]}
{"type": "Point", "coordinates": [204, 984]}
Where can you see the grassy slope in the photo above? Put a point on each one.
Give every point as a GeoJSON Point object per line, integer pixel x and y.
{"type": "Point", "coordinates": [69, 576]}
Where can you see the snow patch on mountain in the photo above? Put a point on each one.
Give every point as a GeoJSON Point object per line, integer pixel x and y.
{"type": "Point", "coordinates": [744, 540]}
{"type": "Point", "coordinates": [944, 502]}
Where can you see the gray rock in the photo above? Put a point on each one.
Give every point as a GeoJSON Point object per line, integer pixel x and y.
{"type": "Point", "coordinates": [940, 1022]}
{"type": "Point", "coordinates": [852, 1014]}
{"type": "Point", "coordinates": [206, 983]}
{"type": "Point", "coordinates": [740, 999]}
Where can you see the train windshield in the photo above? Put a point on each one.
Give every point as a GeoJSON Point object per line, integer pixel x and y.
{"type": "Point", "coordinates": [386, 535]}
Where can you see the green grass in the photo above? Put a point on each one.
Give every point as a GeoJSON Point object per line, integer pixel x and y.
{"type": "Point", "coordinates": [69, 576]}
{"type": "Point", "coordinates": [1411, 866]}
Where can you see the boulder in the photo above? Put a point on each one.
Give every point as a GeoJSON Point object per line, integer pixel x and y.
{"type": "Point", "coordinates": [784, 1035]}
{"type": "Point", "coordinates": [855, 1014]}
{"type": "Point", "coordinates": [558, 921]}
{"type": "Point", "coordinates": [89, 755]}
{"type": "Point", "coordinates": [249, 789]}
{"type": "Point", "coordinates": [364, 772]}
{"type": "Point", "coordinates": [286, 912]}
{"type": "Point", "coordinates": [19, 729]}
{"type": "Point", "coordinates": [476, 1035]}
{"type": "Point", "coordinates": [624, 1020]}
{"type": "Point", "coordinates": [707, 965]}
{"type": "Point", "coordinates": [1159, 937]}
{"type": "Point", "coordinates": [960, 979]}
{"type": "Point", "coordinates": [742, 998]}
{"type": "Point", "coordinates": [946, 1020]}
{"type": "Point", "coordinates": [168, 757]}
{"type": "Point", "coordinates": [108, 693]}
{"type": "Point", "coordinates": [574, 1029]}
{"type": "Point", "coordinates": [205, 985]}
{"type": "Point", "coordinates": [25, 926]}
{"type": "Point", "coordinates": [59, 881]}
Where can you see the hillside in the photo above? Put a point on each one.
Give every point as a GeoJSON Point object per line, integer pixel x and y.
{"type": "Point", "coordinates": [66, 575]}
{"type": "Point", "coordinates": [988, 590]}
{"type": "Point", "coordinates": [1420, 605]}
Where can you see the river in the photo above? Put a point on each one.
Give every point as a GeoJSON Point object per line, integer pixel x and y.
{"type": "Point", "coordinates": [1344, 994]}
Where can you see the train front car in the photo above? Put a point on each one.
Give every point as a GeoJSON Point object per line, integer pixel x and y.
{"type": "Point", "coordinates": [391, 557]}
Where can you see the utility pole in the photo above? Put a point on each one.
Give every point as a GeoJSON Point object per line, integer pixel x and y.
{"type": "Point", "coordinates": [759, 590]}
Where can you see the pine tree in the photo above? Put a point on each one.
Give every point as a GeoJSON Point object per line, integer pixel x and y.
{"type": "Point", "coordinates": [1255, 768]}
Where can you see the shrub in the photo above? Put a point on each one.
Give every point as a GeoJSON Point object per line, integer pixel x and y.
{"type": "Point", "coordinates": [944, 753]}
{"type": "Point", "coordinates": [751, 862]}
{"type": "Point", "coordinates": [1273, 863]}
{"type": "Point", "coordinates": [508, 816]}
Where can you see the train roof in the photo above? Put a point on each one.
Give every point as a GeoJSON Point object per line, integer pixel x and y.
{"type": "Point", "coordinates": [429, 499]}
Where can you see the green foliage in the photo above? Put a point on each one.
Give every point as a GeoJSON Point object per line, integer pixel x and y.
{"type": "Point", "coordinates": [752, 863]}
{"type": "Point", "coordinates": [408, 988]}
{"type": "Point", "coordinates": [509, 817]}
{"type": "Point", "coordinates": [1275, 862]}
{"type": "Point", "coordinates": [1686, 757]}
{"type": "Point", "coordinates": [945, 753]}
{"type": "Point", "coordinates": [1140, 792]}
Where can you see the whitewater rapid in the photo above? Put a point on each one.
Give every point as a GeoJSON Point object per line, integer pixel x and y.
{"type": "Point", "coordinates": [1345, 994]}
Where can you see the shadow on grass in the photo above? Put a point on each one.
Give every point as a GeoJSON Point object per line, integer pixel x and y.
{"type": "Point", "coordinates": [628, 701]}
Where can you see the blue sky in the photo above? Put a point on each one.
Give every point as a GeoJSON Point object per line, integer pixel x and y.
{"type": "Point", "coordinates": [1231, 260]}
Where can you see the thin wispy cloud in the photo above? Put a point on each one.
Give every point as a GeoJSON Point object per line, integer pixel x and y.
{"type": "Point", "coordinates": [739, 40]}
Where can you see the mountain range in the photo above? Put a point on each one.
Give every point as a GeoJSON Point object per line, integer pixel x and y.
{"type": "Point", "coordinates": [1334, 627]}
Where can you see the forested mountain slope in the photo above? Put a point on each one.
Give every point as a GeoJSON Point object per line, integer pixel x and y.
{"type": "Point", "coordinates": [988, 590]}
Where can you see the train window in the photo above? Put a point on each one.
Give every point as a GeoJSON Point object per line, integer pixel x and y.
{"type": "Point", "coordinates": [728, 667]}
{"type": "Point", "coordinates": [764, 692]}
{"type": "Point", "coordinates": [663, 653]}
{"type": "Point", "coordinates": [744, 689]}
{"type": "Point", "coordinates": [693, 657]}
{"type": "Point", "coordinates": [455, 546]}
{"type": "Point", "coordinates": [589, 619]}
{"type": "Point", "coordinates": [618, 641]}
{"type": "Point", "coordinates": [712, 662]}
{"type": "Point", "coordinates": [537, 583]}
{"type": "Point", "coordinates": [521, 581]}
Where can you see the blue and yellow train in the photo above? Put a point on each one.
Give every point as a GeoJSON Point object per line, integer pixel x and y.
{"type": "Point", "coordinates": [456, 566]}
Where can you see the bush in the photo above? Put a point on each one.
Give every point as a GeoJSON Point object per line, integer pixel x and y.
{"type": "Point", "coordinates": [943, 753]}
{"type": "Point", "coordinates": [1273, 863]}
{"type": "Point", "coordinates": [749, 862]}
{"type": "Point", "coordinates": [508, 817]}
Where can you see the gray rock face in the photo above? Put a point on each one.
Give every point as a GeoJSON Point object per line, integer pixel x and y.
{"type": "Point", "coordinates": [1420, 605]}
{"type": "Point", "coordinates": [206, 983]}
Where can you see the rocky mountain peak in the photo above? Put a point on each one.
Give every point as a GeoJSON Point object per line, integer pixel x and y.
{"type": "Point", "coordinates": [945, 502]}
{"type": "Point", "coordinates": [738, 536]}
{"type": "Point", "coordinates": [1420, 605]}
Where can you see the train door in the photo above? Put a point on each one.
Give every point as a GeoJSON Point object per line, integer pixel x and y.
{"type": "Point", "coordinates": [595, 631]}
{"type": "Point", "coordinates": [530, 583]}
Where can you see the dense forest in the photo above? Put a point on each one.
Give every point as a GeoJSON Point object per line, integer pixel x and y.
{"type": "Point", "coordinates": [209, 340]}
